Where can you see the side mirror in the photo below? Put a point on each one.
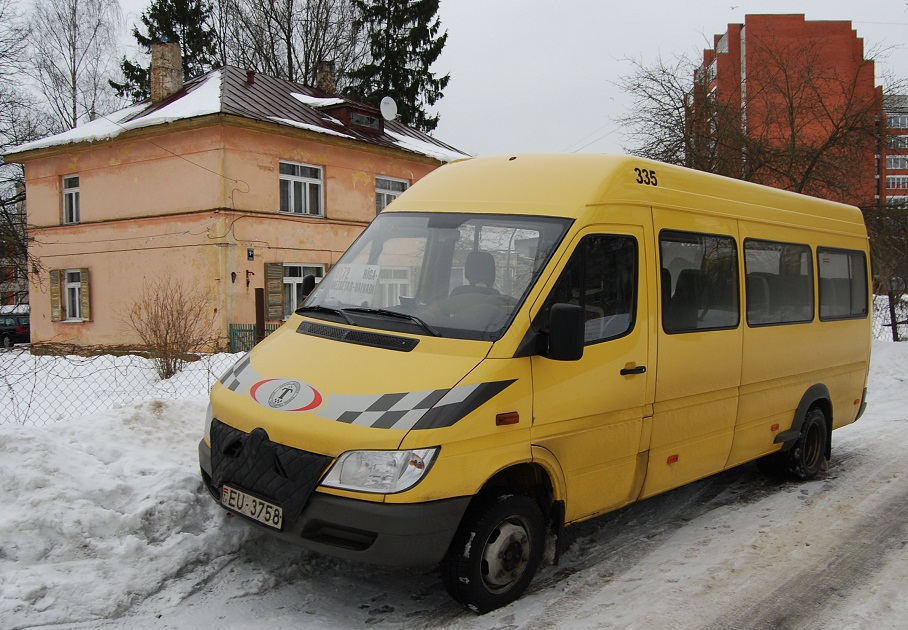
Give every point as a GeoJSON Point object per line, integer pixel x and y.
{"type": "Point", "coordinates": [565, 332]}
{"type": "Point", "coordinates": [308, 285]}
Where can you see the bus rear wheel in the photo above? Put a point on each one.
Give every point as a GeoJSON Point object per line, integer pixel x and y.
{"type": "Point", "coordinates": [495, 553]}
{"type": "Point", "coordinates": [808, 455]}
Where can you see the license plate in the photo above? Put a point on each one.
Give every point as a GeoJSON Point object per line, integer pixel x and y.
{"type": "Point", "coordinates": [264, 512]}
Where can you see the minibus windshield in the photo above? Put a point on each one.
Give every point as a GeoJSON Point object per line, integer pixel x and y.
{"type": "Point", "coordinates": [440, 274]}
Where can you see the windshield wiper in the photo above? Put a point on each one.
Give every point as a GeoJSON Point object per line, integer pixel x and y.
{"type": "Point", "coordinates": [398, 315]}
{"type": "Point", "coordinates": [318, 308]}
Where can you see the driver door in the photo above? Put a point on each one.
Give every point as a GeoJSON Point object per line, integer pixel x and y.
{"type": "Point", "coordinates": [590, 413]}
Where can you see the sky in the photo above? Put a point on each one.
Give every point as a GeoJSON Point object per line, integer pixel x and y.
{"type": "Point", "coordinates": [538, 75]}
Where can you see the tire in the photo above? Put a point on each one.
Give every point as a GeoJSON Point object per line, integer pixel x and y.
{"type": "Point", "coordinates": [7, 342]}
{"type": "Point", "coordinates": [808, 456]}
{"type": "Point", "coordinates": [495, 553]}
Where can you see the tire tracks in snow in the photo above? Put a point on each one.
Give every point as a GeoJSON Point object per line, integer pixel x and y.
{"type": "Point", "coordinates": [811, 595]}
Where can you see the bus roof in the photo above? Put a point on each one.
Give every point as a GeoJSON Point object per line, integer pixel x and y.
{"type": "Point", "coordinates": [567, 184]}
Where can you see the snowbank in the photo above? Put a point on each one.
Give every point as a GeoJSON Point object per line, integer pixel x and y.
{"type": "Point", "coordinates": [105, 523]}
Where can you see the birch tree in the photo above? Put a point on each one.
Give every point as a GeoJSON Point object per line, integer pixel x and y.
{"type": "Point", "coordinates": [73, 57]}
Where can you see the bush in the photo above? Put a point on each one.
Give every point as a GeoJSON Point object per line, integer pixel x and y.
{"type": "Point", "coordinates": [173, 318]}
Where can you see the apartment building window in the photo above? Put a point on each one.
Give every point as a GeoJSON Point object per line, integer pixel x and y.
{"type": "Point", "coordinates": [897, 162]}
{"type": "Point", "coordinates": [69, 295]}
{"type": "Point", "coordinates": [897, 181]}
{"type": "Point", "coordinates": [387, 190]}
{"type": "Point", "coordinates": [71, 199]}
{"type": "Point", "coordinates": [897, 121]}
{"type": "Point", "coordinates": [301, 189]}
{"type": "Point", "coordinates": [897, 142]}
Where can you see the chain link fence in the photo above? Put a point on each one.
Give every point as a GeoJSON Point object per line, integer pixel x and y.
{"type": "Point", "coordinates": [38, 390]}
{"type": "Point", "coordinates": [882, 321]}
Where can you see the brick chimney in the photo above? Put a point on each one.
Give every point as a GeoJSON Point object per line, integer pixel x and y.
{"type": "Point", "coordinates": [166, 70]}
{"type": "Point", "coordinates": [325, 77]}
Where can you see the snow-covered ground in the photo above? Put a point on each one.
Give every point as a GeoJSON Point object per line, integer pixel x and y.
{"type": "Point", "coordinates": [105, 524]}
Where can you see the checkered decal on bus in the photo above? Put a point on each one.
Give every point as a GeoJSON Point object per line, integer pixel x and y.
{"type": "Point", "coordinates": [429, 409]}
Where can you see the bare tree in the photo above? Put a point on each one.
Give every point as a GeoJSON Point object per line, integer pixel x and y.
{"type": "Point", "coordinates": [173, 318]}
{"type": "Point", "coordinates": [287, 38]}
{"type": "Point", "coordinates": [13, 38]}
{"type": "Point", "coordinates": [73, 56]}
{"type": "Point", "coordinates": [674, 118]}
{"type": "Point", "coordinates": [21, 120]}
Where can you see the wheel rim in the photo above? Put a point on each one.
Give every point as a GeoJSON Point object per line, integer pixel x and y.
{"type": "Point", "coordinates": [506, 554]}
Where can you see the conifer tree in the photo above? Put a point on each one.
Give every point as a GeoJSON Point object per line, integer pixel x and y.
{"type": "Point", "coordinates": [185, 21]}
{"type": "Point", "coordinates": [404, 41]}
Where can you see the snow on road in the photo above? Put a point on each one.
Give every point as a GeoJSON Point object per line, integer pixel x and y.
{"type": "Point", "coordinates": [105, 524]}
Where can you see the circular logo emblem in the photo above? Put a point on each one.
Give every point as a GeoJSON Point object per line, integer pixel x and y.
{"type": "Point", "coordinates": [283, 394]}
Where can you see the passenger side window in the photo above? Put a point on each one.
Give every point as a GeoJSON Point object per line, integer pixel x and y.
{"type": "Point", "coordinates": [602, 278]}
{"type": "Point", "coordinates": [843, 283]}
{"type": "Point", "coordinates": [699, 282]}
{"type": "Point", "coordinates": [778, 282]}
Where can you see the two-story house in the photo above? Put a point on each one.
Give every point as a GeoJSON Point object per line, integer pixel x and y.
{"type": "Point", "coordinates": [236, 180]}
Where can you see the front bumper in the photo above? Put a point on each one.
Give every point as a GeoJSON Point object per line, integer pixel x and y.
{"type": "Point", "coordinates": [416, 534]}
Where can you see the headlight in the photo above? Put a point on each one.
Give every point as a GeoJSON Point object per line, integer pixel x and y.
{"type": "Point", "coordinates": [384, 472]}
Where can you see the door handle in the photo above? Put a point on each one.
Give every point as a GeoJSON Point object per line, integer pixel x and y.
{"type": "Point", "coordinates": [640, 369]}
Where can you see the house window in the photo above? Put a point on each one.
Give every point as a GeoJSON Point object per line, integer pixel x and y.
{"type": "Point", "coordinates": [71, 199]}
{"type": "Point", "coordinates": [293, 285]}
{"type": "Point", "coordinates": [69, 295]}
{"type": "Point", "coordinates": [387, 190]}
{"type": "Point", "coordinates": [897, 162]}
{"type": "Point", "coordinates": [73, 295]}
{"type": "Point", "coordinates": [897, 181]}
{"type": "Point", "coordinates": [301, 189]}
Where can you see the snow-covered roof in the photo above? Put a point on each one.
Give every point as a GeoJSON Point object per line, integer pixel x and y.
{"type": "Point", "coordinates": [234, 91]}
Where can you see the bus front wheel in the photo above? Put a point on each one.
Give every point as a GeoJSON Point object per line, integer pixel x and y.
{"type": "Point", "coordinates": [495, 553]}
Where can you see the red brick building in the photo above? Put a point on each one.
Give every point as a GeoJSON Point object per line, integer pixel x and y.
{"type": "Point", "coordinates": [893, 158]}
{"type": "Point", "coordinates": [780, 88]}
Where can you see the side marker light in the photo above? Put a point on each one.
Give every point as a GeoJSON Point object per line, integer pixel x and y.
{"type": "Point", "coordinates": [502, 419]}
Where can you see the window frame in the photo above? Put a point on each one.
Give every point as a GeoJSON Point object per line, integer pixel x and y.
{"type": "Point", "coordinates": [579, 256]}
{"type": "Point", "coordinates": [810, 278]}
{"type": "Point", "coordinates": [662, 265]}
{"type": "Point", "coordinates": [292, 281]}
{"type": "Point", "coordinates": [306, 182]}
{"type": "Point", "coordinates": [896, 182]}
{"type": "Point", "coordinates": [897, 121]}
{"type": "Point", "coordinates": [384, 196]}
{"type": "Point", "coordinates": [841, 250]}
{"type": "Point", "coordinates": [72, 295]}
{"type": "Point", "coordinates": [71, 200]}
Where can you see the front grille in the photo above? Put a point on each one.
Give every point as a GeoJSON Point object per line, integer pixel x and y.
{"type": "Point", "coordinates": [376, 340]}
{"type": "Point", "coordinates": [252, 462]}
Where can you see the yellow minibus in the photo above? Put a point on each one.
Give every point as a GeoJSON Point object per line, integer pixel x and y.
{"type": "Point", "coordinates": [518, 343]}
